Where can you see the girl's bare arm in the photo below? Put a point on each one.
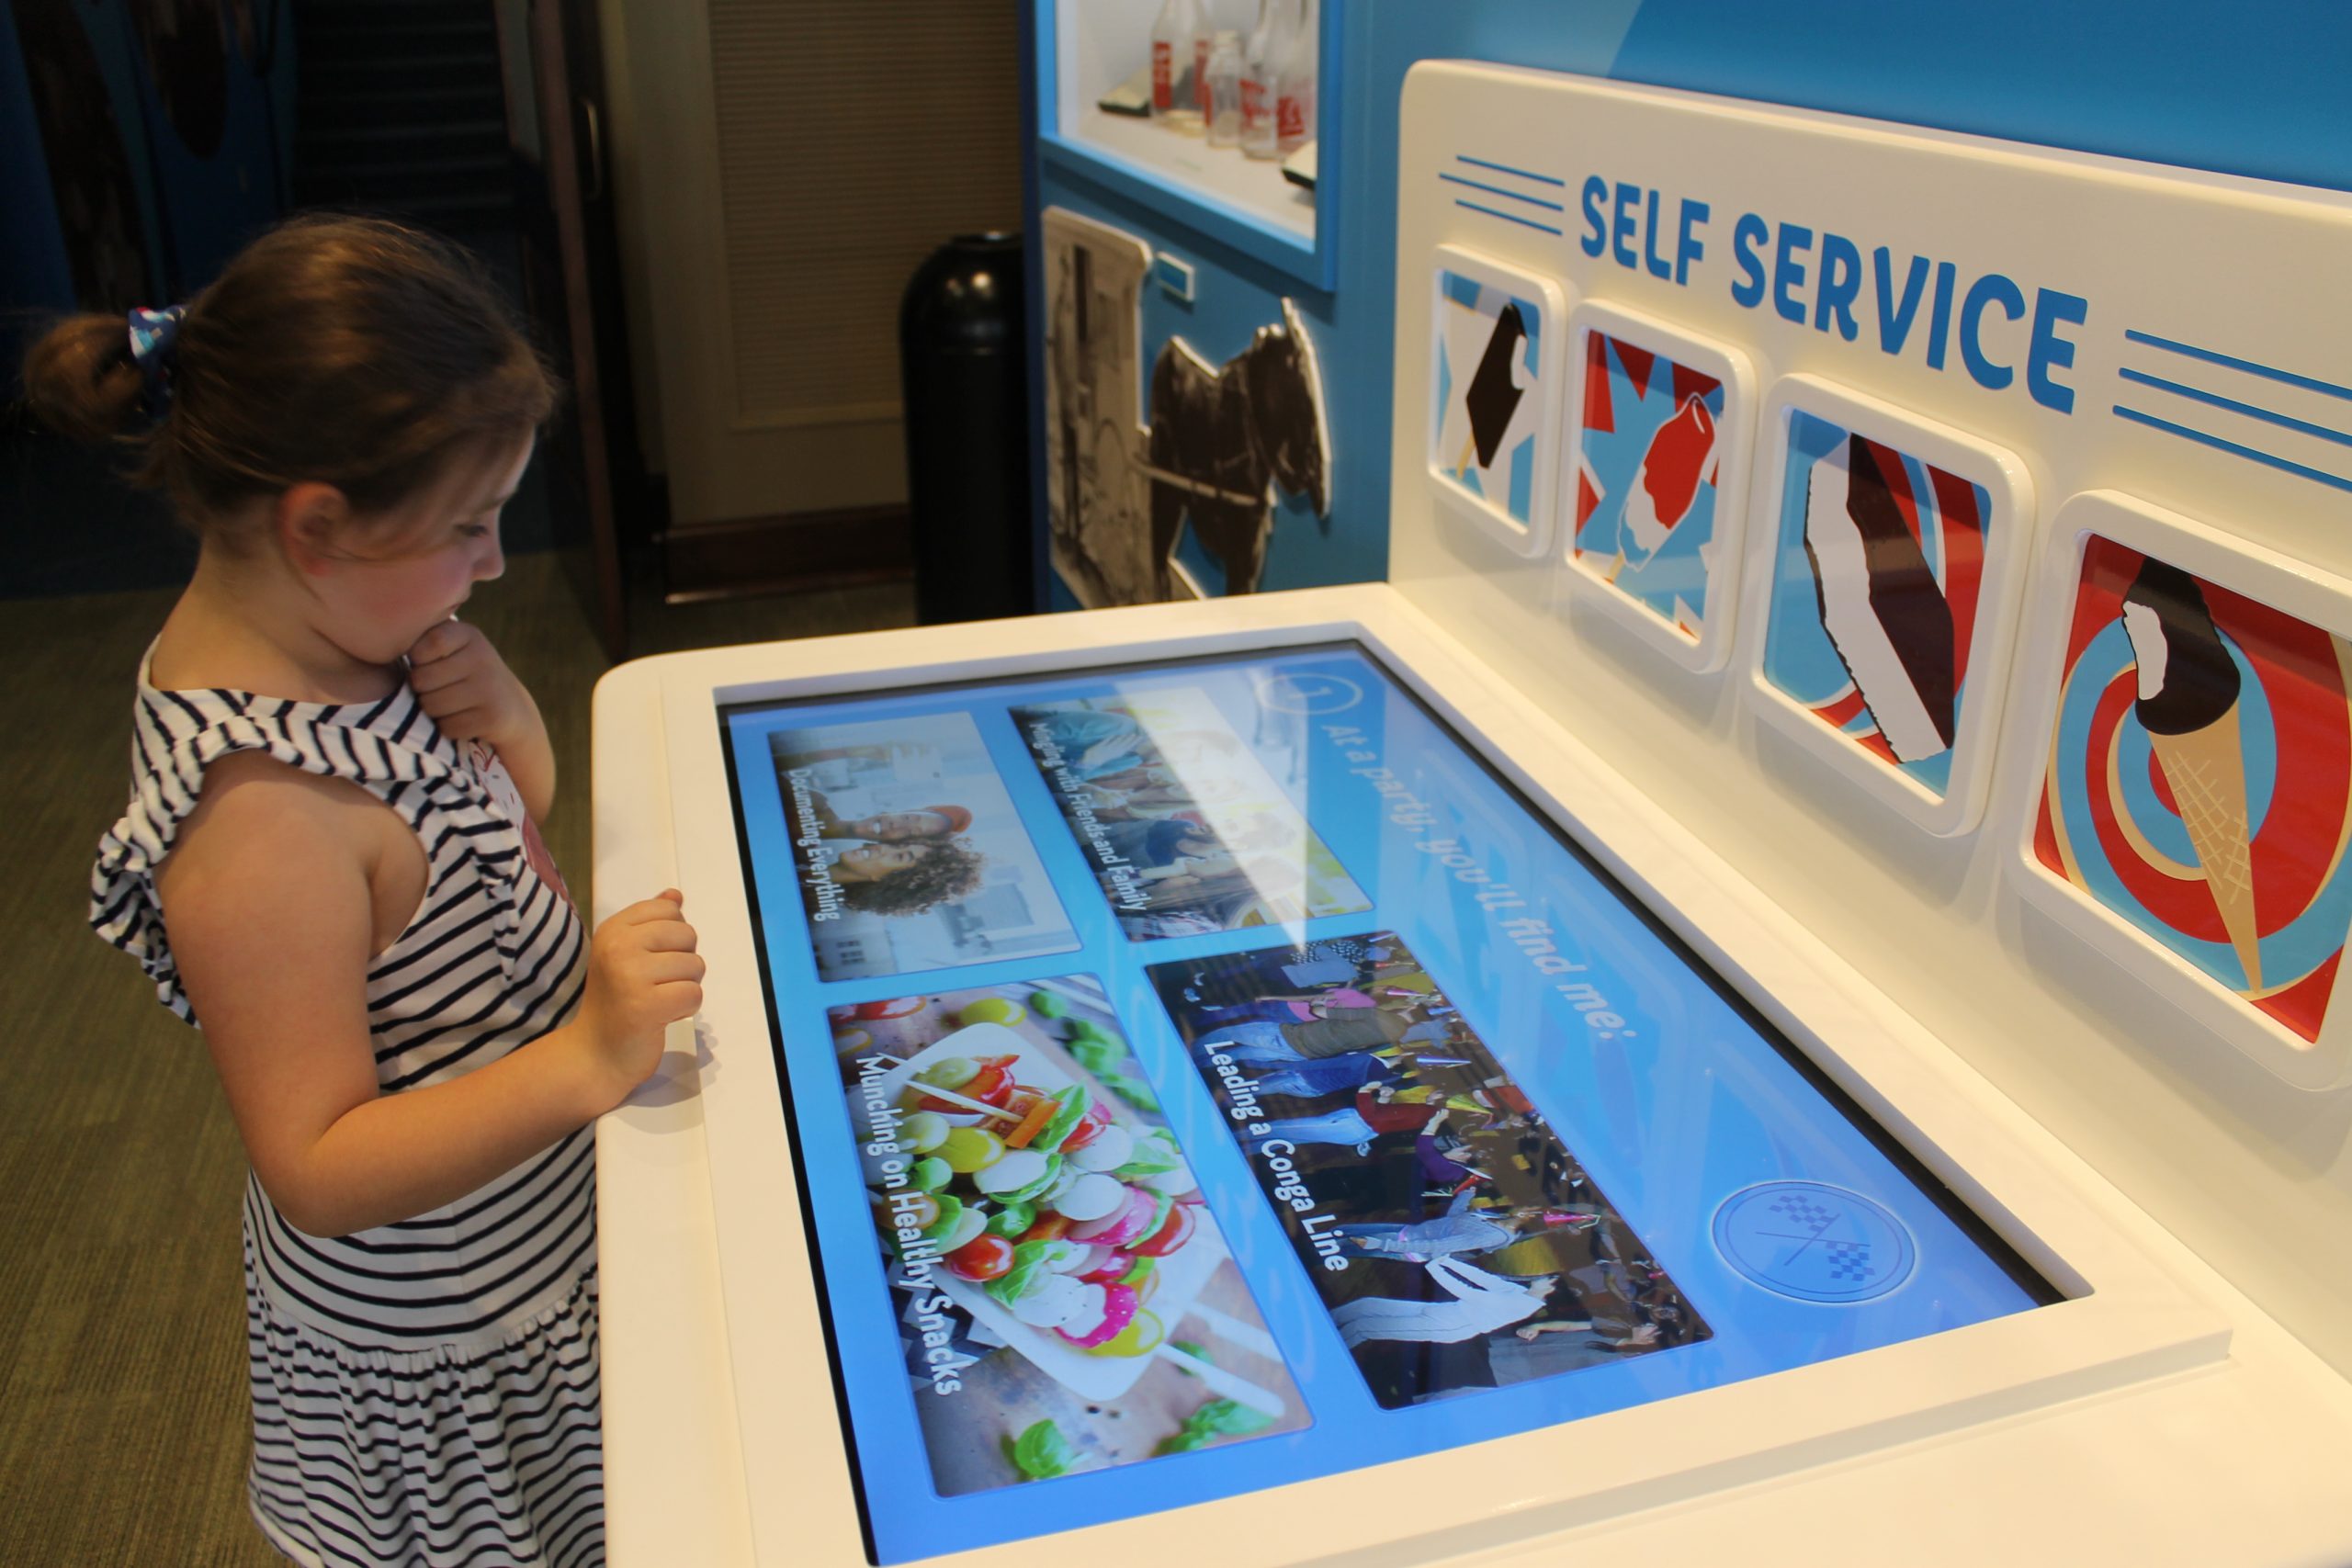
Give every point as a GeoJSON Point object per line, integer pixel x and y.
{"type": "Point", "coordinates": [268, 903]}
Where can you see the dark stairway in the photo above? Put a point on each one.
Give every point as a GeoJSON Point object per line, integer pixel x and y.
{"type": "Point", "coordinates": [401, 111]}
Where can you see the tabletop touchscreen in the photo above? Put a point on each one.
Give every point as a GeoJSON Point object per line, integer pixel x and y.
{"type": "Point", "coordinates": [1208, 1074]}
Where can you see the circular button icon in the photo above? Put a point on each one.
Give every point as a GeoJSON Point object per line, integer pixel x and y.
{"type": "Point", "coordinates": [1309, 692]}
{"type": "Point", "coordinates": [1814, 1242]}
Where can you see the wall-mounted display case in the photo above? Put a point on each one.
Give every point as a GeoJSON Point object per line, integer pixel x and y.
{"type": "Point", "coordinates": [1095, 121]}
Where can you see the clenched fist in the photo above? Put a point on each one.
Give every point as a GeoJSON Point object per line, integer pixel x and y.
{"type": "Point", "coordinates": [643, 975]}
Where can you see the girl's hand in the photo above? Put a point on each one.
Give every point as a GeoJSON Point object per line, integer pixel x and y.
{"type": "Point", "coordinates": [465, 688]}
{"type": "Point", "coordinates": [643, 975]}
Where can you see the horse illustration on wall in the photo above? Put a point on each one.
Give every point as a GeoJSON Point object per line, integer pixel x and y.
{"type": "Point", "coordinates": [1224, 438]}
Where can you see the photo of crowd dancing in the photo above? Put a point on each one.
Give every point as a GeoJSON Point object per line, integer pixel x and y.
{"type": "Point", "coordinates": [1452, 1235]}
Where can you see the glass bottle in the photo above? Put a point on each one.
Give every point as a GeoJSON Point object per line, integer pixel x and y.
{"type": "Point", "coordinates": [1257, 80]}
{"type": "Point", "coordinates": [1174, 84]}
{"type": "Point", "coordinates": [1225, 90]}
{"type": "Point", "coordinates": [1295, 83]}
{"type": "Point", "coordinates": [1203, 45]}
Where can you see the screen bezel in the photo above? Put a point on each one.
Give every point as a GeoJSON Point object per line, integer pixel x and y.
{"type": "Point", "coordinates": [2124, 1318]}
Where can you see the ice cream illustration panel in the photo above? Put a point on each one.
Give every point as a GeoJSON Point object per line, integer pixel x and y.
{"type": "Point", "coordinates": [2167, 794]}
{"type": "Point", "coordinates": [1650, 475]}
{"type": "Point", "coordinates": [1487, 419]}
{"type": "Point", "coordinates": [1876, 582]}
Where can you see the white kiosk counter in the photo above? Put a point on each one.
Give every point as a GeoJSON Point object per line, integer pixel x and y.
{"type": "Point", "coordinates": [1508, 1064]}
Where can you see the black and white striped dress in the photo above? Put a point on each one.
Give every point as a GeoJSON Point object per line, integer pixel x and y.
{"type": "Point", "coordinates": [426, 1392]}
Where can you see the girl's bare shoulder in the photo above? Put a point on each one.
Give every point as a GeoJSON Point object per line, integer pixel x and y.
{"type": "Point", "coordinates": [258, 819]}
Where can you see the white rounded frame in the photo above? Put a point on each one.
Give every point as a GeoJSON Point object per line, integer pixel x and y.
{"type": "Point", "coordinates": [1736, 431]}
{"type": "Point", "coordinates": [2322, 601]}
{"type": "Point", "coordinates": [2007, 551]}
{"type": "Point", "coordinates": [1533, 538]}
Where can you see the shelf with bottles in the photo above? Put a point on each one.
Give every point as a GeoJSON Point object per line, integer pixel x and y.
{"type": "Point", "coordinates": [1121, 104]}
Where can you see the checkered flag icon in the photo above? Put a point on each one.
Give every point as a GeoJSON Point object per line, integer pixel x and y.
{"type": "Point", "coordinates": [1849, 1260]}
{"type": "Point", "coordinates": [1802, 1209]}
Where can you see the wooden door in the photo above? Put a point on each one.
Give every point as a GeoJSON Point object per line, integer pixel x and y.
{"type": "Point", "coordinates": [571, 283]}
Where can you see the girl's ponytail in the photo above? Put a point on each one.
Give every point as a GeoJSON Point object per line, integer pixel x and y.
{"type": "Point", "coordinates": [345, 351]}
{"type": "Point", "coordinates": [81, 380]}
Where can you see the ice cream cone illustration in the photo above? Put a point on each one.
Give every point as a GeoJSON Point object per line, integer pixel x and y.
{"type": "Point", "coordinates": [2187, 702]}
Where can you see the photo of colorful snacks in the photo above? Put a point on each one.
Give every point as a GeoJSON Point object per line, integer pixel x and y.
{"type": "Point", "coordinates": [1455, 1239]}
{"type": "Point", "coordinates": [1065, 1299]}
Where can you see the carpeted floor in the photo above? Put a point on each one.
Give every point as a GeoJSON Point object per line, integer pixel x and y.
{"type": "Point", "coordinates": [123, 1419]}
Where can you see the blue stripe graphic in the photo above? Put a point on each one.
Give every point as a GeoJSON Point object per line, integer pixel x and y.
{"type": "Point", "coordinates": [1507, 169]}
{"type": "Point", "coordinates": [1505, 216]}
{"type": "Point", "coordinates": [1497, 190]}
{"type": "Point", "coordinates": [2204, 438]}
{"type": "Point", "coordinates": [2310, 383]}
{"type": "Point", "coordinates": [2249, 410]}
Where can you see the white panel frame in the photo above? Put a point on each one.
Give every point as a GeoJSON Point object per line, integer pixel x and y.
{"type": "Point", "coordinates": [2007, 551]}
{"type": "Point", "coordinates": [1736, 436]}
{"type": "Point", "coordinates": [1533, 540]}
{"type": "Point", "coordinates": [2319, 598]}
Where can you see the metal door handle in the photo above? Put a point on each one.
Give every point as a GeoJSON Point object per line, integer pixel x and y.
{"type": "Point", "coordinates": [595, 149]}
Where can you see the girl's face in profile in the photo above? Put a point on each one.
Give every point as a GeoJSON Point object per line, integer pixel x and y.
{"type": "Point", "coordinates": [408, 572]}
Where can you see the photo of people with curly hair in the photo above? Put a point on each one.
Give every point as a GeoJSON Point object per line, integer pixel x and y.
{"type": "Point", "coordinates": [1453, 1235]}
{"type": "Point", "coordinates": [908, 852]}
{"type": "Point", "coordinates": [1179, 820]}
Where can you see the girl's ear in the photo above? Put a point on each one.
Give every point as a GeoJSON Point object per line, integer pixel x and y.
{"type": "Point", "coordinates": [309, 519]}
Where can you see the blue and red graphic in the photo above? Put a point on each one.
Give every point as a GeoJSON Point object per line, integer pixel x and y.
{"type": "Point", "coordinates": [1878, 566]}
{"type": "Point", "coordinates": [1648, 471]}
{"type": "Point", "coordinates": [2167, 796]}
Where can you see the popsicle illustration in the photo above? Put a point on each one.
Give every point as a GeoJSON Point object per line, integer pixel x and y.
{"type": "Point", "coordinates": [1881, 604]}
{"type": "Point", "coordinates": [1681, 458]}
{"type": "Point", "coordinates": [2187, 702]}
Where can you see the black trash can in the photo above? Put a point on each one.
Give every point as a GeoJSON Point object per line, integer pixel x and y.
{"type": "Point", "coordinates": [961, 349]}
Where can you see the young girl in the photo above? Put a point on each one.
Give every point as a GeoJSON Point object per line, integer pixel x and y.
{"type": "Point", "coordinates": [329, 864]}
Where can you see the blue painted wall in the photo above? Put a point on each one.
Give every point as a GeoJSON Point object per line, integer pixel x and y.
{"type": "Point", "coordinates": [2258, 89]}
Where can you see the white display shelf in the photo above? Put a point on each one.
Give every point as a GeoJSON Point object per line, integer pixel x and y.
{"type": "Point", "coordinates": [1221, 175]}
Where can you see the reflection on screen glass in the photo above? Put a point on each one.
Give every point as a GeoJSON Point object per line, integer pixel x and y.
{"type": "Point", "coordinates": [1185, 830]}
{"type": "Point", "coordinates": [1238, 1084]}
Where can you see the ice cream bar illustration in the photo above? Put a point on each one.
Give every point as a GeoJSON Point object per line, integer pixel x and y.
{"type": "Point", "coordinates": [2187, 702]}
{"type": "Point", "coordinates": [1681, 455]}
{"type": "Point", "coordinates": [1494, 392]}
{"type": "Point", "coordinates": [1880, 605]}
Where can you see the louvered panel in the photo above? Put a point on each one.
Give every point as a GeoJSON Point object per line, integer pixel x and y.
{"type": "Point", "coordinates": [853, 138]}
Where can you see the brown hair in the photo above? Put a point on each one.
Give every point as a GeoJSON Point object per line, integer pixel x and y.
{"type": "Point", "coordinates": [945, 869]}
{"type": "Point", "coordinates": [345, 351]}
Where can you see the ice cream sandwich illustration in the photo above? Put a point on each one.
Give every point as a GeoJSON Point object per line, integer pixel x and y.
{"type": "Point", "coordinates": [1494, 391]}
{"type": "Point", "coordinates": [2187, 688]}
{"type": "Point", "coordinates": [1884, 610]}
